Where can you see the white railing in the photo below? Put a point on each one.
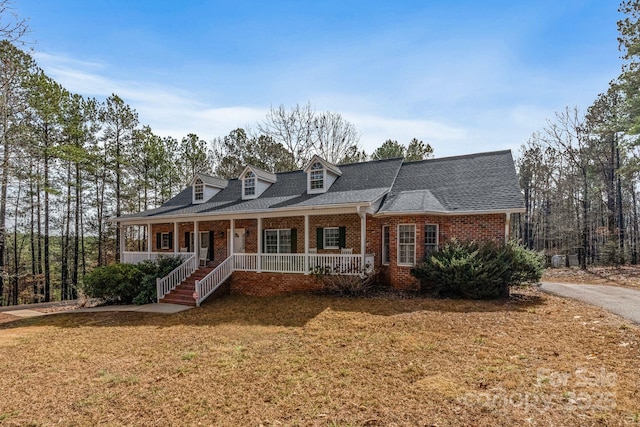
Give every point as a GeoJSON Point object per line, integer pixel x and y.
{"type": "Point", "coordinates": [245, 262]}
{"type": "Point", "coordinates": [172, 280]}
{"type": "Point", "coordinates": [212, 281]}
{"type": "Point", "coordinates": [336, 263]}
{"type": "Point", "coordinates": [282, 263]}
{"type": "Point", "coordinates": [137, 257]}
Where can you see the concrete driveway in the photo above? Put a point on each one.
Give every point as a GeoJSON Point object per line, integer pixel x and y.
{"type": "Point", "coordinates": [624, 302]}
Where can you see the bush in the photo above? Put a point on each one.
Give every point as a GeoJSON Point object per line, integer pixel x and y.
{"type": "Point", "coordinates": [349, 285]}
{"type": "Point", "coordinates": [128, 283]}
{"type": "Point", "coordinates": [478, 271]}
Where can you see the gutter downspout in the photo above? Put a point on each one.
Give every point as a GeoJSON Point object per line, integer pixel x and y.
{"type": "Point", "coordinates": [363, 235]}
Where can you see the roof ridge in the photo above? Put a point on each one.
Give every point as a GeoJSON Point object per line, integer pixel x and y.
{"type": "Point", "coordinates": [460, 156]}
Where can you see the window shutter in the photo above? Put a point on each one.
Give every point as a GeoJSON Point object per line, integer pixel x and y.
{"type": "Point", "coordinates": [264, 241]}
{"type": "Point", "coordinates": [211, 245]}
{"type": "Point", "coordinates": [158, 240]}
{"type": "Point", "coordinates": [342, 237]}
{"type": "Point", "coordinates": [187, 241]}
{"type": "Point", "coordinates": [319, 238]}
{"type": "Point", "coordinates": [294, 241]}
{"type": "Point", "coordinates": [171, 240]}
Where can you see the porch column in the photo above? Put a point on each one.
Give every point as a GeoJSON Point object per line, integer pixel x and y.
{"type": "Point", "coordinates": [507, 227]}
{"type": "Point", "coordinates": [363, 235]}
{"type": "Point", "coordinates": [259, 260]}
{"type": "Point", "coordinates": [149, 246]}
{"type": "Point", "coordinates": [122, 237]}
{"type": "Point", "coordinates": [232, 236]}
{"type": "Point", "coordinates": [306, 243]}
{"type": "Point", "coordinates": [196, 239]}
{"type": "Point", "coordinates": [176, 240]}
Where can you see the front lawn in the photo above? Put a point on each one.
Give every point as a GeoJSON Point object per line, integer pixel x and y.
{"type": "Point", "coordinates": [315, 360]}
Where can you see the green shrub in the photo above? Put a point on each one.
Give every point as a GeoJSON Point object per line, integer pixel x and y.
{"type": "Point", "coordinates": [478, 270]}
{"type": "Point", "coordinates": [128, 283]}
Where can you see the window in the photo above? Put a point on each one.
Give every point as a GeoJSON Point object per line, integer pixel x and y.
{"type": "Point", "coordinates": [316, 176]}
{"type": "Point", "coordinates": [385, 244]}
{"type": "Point", "coordinates": [166, 241]}
{"type": "Point", "coordinates": [406, 244]}
{"type": "Point", "coordinates": [277, 241]}
{"type": "Point", "coordinates": [198, 190]}
{"type": "Point", "coordinates": [249, 184]}
{"type": "Point", "coordinates": [430, 239]}
{"type": "Point", "coordinates": [331, 238]}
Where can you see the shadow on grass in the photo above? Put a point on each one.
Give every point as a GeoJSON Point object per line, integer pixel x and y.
{"type": "Point", "coordinates": [291, 310]}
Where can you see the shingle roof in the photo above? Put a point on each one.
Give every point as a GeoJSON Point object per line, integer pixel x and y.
{"type": "Point", "coordinates": [478, 182]}
{"type": "Point", "coordinates": [213, 180]}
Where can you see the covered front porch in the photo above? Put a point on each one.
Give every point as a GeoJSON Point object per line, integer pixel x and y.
{"type": "Point", "coordinates": [327, 243]}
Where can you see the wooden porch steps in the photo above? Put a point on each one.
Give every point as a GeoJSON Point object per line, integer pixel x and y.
{"type": "Point", "coordinates": [183, 293]}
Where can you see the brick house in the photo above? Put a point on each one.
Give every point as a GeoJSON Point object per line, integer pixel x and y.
{"type": "Point", "coordinates": [264, 232]}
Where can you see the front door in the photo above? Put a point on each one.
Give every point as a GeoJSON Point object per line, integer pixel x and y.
{"type": "Point", "coordinates": [238, 241]}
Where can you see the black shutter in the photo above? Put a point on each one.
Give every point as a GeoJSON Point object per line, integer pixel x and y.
{"type": "Point", "coordinates": [294, 241]}
{"type": "Point", "coordinates": [158, 240]}
{"type": "Point", "coordinates": [264, 241]}
{"type": "Point", "coordinates": [211, 245]}
{"type": "Point", "coordinates": [319, 238]}
{"type": "Point", "coordinates": [187, 241]}
{"type": "Point", "coordinates": [171, 240]}
{"type": "Point", "coordinates": [342, 237]}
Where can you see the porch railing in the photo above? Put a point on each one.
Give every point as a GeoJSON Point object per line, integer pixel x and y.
{"type": "Point", "coordinates": [169, 282]}
{"type": "Point", "coordinates": [295, 263]}
{"type": "Point", "coordinates": [132, 257]}
{"type": "Point", "coordinates": [245, 262]}
{"type": "Point", "coordinates": [282, 263]}
{"type": "Point", "coordinates": [212, 281]}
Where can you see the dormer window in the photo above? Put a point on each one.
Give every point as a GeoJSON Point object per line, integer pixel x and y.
{"type": "Point", "coordinates": [316, 177]}
{"type": "Point", "coordinates": [249, 184]}
{"type": "Point", "coordinates": [198, 190]}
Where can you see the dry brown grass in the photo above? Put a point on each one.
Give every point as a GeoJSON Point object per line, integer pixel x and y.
{"type": "Point", "coordinates": [316, 360]}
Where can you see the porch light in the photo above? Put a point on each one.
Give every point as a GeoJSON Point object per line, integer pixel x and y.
{"type": "Point", "coordinates": [222, 234]}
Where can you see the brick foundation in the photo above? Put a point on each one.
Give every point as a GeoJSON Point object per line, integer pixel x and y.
{"type": "Point", "coordinates": [267, 284]}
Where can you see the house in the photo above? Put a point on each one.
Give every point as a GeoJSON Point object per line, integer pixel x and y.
{"type": "Point", "coordinates": [265, 232]}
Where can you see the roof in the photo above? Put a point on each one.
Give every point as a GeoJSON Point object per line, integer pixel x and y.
{"type": "Point", "coordinates": [474, 183]}
{"type": "Point", "coordinates": [481, 182]}
{"type": "Point", "coordinates": [209, 180]}
{"type": "Point", "coordinates": [333, 168]}
{"type": "Point", "coordinates": [261, 174]}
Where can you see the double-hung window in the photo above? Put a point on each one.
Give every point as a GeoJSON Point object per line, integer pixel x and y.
{"type": "Point", "coordinates": [406, 244]}
{"type": "Point", "coordinates": [332, 238]}
{"type": "Point", "coordinates": [198, 190]}
{"type": "Point", "coordinates": [166, 241]}
{"type": "Point", "coordinates": [430, 239]}
{"type": "Point", "coordinates": [316, 176]}
{"type": "Point", "coordinates": [277, 241]}
{"type": "Point", "coordinates": [249, 184]}
{"type": "Point", "coordinates": [385, 244]}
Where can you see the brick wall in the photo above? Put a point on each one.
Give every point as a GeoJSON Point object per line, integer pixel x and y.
{"type": "Point", "coordinates": [462, 228]}
{"type": "Point", "coordinates": [350, 221]}
{"type": "Point", "coordinates": [266, 284]}
{"type": "Point", "coordinates": [296, 222]}
{"type": "Point", "coordinates": [160, 228]}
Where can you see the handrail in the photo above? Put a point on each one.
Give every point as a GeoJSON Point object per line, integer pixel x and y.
{"type": "Point", "coordinates": [178, 275]}
{"type": "Point", "coordinates": [212, 281]}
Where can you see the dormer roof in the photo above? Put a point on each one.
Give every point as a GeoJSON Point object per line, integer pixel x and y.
{"type": "Point", "coordinates": [210, 181]}
{"type": "Point", "coordinates": [260, 174]}
{"type": "Point", "coordinates": [328, 166]}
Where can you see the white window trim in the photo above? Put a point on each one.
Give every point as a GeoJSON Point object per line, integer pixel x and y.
{"type": "Point", "coordinates": [324, 237]}
{"type": "Point", "coordinates": [162, 245]}
{"type": "Point", "coordinates": [382, 249]}
{"type": "Point", "coordinates": [405, 264]}
{"type": "Point", "coordinates": [277, 230]}
{"type": "Point", "coordinates": [198, 189]}
{"type": "Point", "coordinates": [322, 189]}
{"type": "Point", "coordinates": [437, 235]}
{"type": "Point", "coordinates": [255, 185]}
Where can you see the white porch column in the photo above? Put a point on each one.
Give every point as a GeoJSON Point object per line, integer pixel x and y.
{"type": "Point", "coordinates": [176, 240]}
{"type": "Point", "coordinates": [259, 260]}
{"type": "Point", "coordinates": [149, 239]}
{"type": "Point", "coordinates": [196, 239]}
{"type": "Point", "coordinates": [507, 227]}
{"type": "Point", "coordinates": [122, 237]}
{"type": "Point", "coordinates": [363, 235]}
{"type": "Point", "coordinates": [232, 236]}
{"type": "Point", "coordinates": [306, 243]}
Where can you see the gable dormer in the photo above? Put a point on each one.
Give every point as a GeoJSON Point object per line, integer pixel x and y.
{"type": "Point", "coordinates": [204, 187]}
{"type": "Point", "coordinates": [255, 181]}
{"type": "Point", "coordinates": [320, 175]}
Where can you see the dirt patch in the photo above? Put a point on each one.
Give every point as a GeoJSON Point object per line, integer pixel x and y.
{"type": "Point", "coordinates": [320, 361]}
{"type": "Point", "coordinates": [628, 276]}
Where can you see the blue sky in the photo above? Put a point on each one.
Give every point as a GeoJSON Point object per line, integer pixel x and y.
{"type": "Point", "coordinates": [463, 75]}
